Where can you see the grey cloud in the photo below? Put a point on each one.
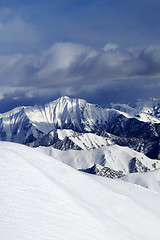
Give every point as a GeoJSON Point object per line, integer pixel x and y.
{"type": "Point", "coordinates": [70, 69]}
{"type": "Point", "coordinates": [118, 63]}
{"type": "Point", "coordinates": [66, 63]}
{"type": "Point", "coordinates": [120, 91]}
{"type": "Point", "coordinates": [151, 57]}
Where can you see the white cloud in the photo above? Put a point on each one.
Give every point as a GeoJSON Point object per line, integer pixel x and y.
{"type": "Point", "coordinates": [59, 58]}
{"type": "Point", "coordinates": [110, 46]}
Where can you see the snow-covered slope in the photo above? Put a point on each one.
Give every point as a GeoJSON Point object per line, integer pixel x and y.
{"type": "Point", "coordinates": [42, 198]}
{"type": "Point", "coordinates": [115, 157]}
{"type": "Point", "coordinates": [150, 180]}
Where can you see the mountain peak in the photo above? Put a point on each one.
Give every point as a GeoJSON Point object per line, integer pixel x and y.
{"type": "Point", "coordinates": [64, 98]}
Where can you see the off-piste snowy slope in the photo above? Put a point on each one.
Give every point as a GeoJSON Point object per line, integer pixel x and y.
{"type": "Point", "coordinates": [44, 199]}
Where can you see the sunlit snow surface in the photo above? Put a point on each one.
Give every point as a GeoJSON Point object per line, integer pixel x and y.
{"type": "Point", "coordinates": [42, 199]}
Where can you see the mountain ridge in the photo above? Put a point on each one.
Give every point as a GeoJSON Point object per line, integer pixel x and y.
{"type": "Point", "coordinates": [148, 107]}
{"type": "Point", "coordinates": [33, 125]}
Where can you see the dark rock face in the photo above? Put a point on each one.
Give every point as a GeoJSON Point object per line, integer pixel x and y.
{"type": "Point", "coordinates": [66, 144]}
{"type": "Point", "coordinates": [149, 146]}
{"type": "Point", "coordinates": [104, 171]}
{"type": "Point", "coordinates": [136, 166]}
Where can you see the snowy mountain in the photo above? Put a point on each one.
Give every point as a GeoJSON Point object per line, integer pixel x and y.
{"type": "Point", "coordinates": [150, 107]}
{"type": "Point", "coordinates": [38, 125]}
{"type": "Point", "coordinates": [99, 161]}
{"type": "Point", "coordinates": [148, 111]}
{"type": "Point", "coordinates": [42, 198]}
{"type": "Point", "coordinates": [69, 139]}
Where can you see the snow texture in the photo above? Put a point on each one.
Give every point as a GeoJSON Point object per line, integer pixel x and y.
{"type": "Point", "coordinates": [42, 198]}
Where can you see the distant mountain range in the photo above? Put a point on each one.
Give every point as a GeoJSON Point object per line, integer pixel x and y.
{"type": "Point", "coordinates": [75, 124]}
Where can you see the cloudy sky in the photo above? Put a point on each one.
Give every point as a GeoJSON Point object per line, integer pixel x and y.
{"type": "Point", "coordinates": [100, 50]}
